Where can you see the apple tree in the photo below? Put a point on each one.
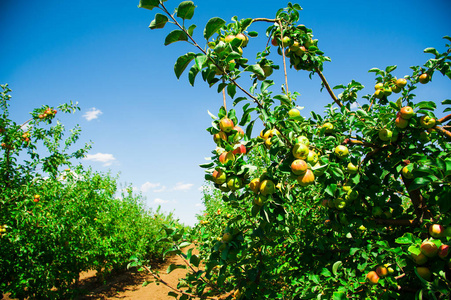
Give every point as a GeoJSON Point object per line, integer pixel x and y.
{"type": "Point", "coordinates": [348, 203]}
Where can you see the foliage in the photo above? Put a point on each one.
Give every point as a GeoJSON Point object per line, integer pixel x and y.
{"type": "Point", "coordinates": [59, 219]}
{"type": "Point", "coordinates": [350, 225]}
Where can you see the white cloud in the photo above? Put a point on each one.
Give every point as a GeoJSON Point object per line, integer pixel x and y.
{"type": "Point", "coordinates": [199, 204]}
{"type": "Point", "coordinates": [162, 189]}
{"type": "Point", "coordinates": [149, 186]}
{"type": "Point", "coordinates": [160, 201]}
{"type": "Point", "coordinates": [106, 158]}
{"type": "Point", "coordinates": [354, 105]}
{"type": "Point", "coordinates": [180, 186]}
{"type": "Point", "coordinates": [92, 114]}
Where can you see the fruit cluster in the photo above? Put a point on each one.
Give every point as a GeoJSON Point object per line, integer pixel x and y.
{"type": "Point", "coordinates": [381, 271]}
{"type": "Point", "coordinates": [36, 198]}
{"type": "Point", "coordinates": [3, 229]}
{"type": "Point", "coordinates": [47, 113]}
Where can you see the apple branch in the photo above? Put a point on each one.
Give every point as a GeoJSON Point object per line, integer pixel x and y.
{"type": "Point", "coordinates": [444, 131]}
{"type": "Point", "coordinates": [418, 202]}
{"type": "Point", "coordinates": [444, 119]}
{"type": "Point", "coordinates": [283, 57]}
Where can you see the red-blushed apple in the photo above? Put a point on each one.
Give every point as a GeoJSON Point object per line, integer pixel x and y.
{"type": "Point", "coordinates": [267, 187]}
{"type": "Point", "coordinates": [372, 277]}
{"type": "Point", "coordinates": [424, 273]}
{"type": "Point", "coordinates": [401, 123]}
{"type": "Point", "coordinates": [229, 38]}
{"type": "Point", "coordinates": [424, 78]}
{"type": "Point", "coordinates": [240, 132]}
{"type": "Point", "coordinates": [427, 122]}
{"type": "Point", "coordinates": [226, 125]}
{"type": "Point", "coordinates": [300, 151]}
{"type": "Point", "coordinates": [419, 259]}
{"type": "Point", "coordinates": [225, 157]}
{"type": "Point", "coordinates": [307, 178]}
{"type": "Point", "coordinates": [436, 230]}
{"type": "Point", "coordinates": [259, 200]}
{"type": "Point", "coordinates": [443, 251]}
{"type": "Point", "coordinates": [227, 237]}
{"type": "Point", "coordinates": [381, 271]}
{"type": "Point", "coordinates": [254, 185]}
{"type": "Point", "coordinates": [429, 248]}
{"type": "Point", "coordinates": [219, 137]}
{"type": "Point", "coordinates": [406, 112]}
{"type": "Point", "coordinates": [401, 82]}
{"type": "Point", "coordinates": [299, 167]}
{"type": "Point", "coordinates": [341, 151]}
{"type": "Point", "coordinates": [219, 176]}
{"type": "Point", "coordinates": [385, 134]}
{"type": "Point", "coordinates": [274, 41]}
{"type": "Point", "coordinates": [240, 149]}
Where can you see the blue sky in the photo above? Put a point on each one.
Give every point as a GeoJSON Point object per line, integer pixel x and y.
{"type": "Point", "coordinates": [150, 127]}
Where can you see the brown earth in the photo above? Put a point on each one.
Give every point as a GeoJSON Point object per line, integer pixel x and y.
{"type": "Point", "coordinates": [129, 284]}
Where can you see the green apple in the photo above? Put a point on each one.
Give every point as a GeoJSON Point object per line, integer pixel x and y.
{"type": "Point", "coordinates": [352, 169]}
{"type": "Point", "coordinates": [259, 200]}
{"type": "Point", "coordinates": [312, 157]}
{"type": "Point", "coordinates": [227, 237]}
{"type": "Point", "coordinates": [219, 137]}
{"type": "Point", "coordinates": [424, 78]}
{"type": "Point", "coordinates": [427, 122]}
{"type": "Point", "coordinates": [294, 112]}
{"type": "Point", "coordinates": [244, 39]}
{"type": "Point", "coordinates": [219, 176]}
{"type": "Point", "coordinates": [379, 94]}
{"type": "Point", "coordinates": [352, 194]}
{"type": "Point", "coordinates": [385, 134]}
{"type": "Point", "coordinates": [300, 150]}
{"type": "Point", "coordinates": [379, 86]}
{"type": "Point", "coordinates": [424, 273]}
{"type": "Point", "coordinates": [234, 183]}
{"type": "Point", "coordinates": [267, 187]}
{"type": "Point", "coordinates": [303, 140]}
{"type": "Point", "coordinates": [329, 127]}
{"type": "Point", "coordinates": [401, 82]}
{"type": "Point", "coordinates": [341, 151]}
{"type": "Point", "coordinates": [407, 173]}
{"type": "Point", "coordinates": [254, 185]}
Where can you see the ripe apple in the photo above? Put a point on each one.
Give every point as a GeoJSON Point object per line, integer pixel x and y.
{"type": "Point", "coordinates": [286, 41]}
{"type": "Point", "coordinates": [379, 86]}
{"type": "Point", "coordinates": [225, 157]}
{"type": "Point", "coordinates": [219, 137]}
{"type": "Point", "coordinates": [240, 132]}
{"type": "Point", "coordinates": [427, 122]}
{"type": "Point", "coordinates": [424, 273]}
{"type": "Point", "coordinates": [307, 178]}
{"type": "Point", "coordinates": [259, 200]}
{"type": "Point", "coordinates": [387, 91]}
{"type": "Point", "coordinates": [381, 271]}
{"type": "Point", "coordinates": [372, 277]}
{"type": "Point", "coordinates": [226, 125]}
{"type": "Point", "coordinates": [385, 134]}
{"type": "Point", "coordinates": [379, 94]}
{"type": "Point", "coordinates": [241, 149]}
{"type": "Point", "coordinates": [294, 112]}
{"type": "Point", "coordinates": [312, 157]}
{"type": "Point", "coordinates": [229, 38]}
{"type": "Point", "coordinates": [419, 259]}
{"type": "Point", "coordinates": [254, 185]}
{"type": "Point", "coordinates": [244, 39]}
{"type": "Point", "coordinates": [395, 89]}
{"type": "Point", "coordinates": [341, 151]}
{"type": "Point", "coordinates": [436, 230]}
{"type": "Point", "coordinates": [424, 78]}
{"type": "Point", "coordinates": [234, 183]}
{"type": "Point", "coordinates": [329, 127]}
{"type": "Point", "coordinates": [352, 169]}
{"type": "Point", "coordinates": [267, 187]}
{"type": "Point", "coordinates": [401, 123]}
{"type": "Point", "coordinates": [406, 112]}
{"type": "Point", "coordinates": [407, 173]}
{"type": "Point", "coordinates": [299, 167]}
{"type": "Point", "coordinates": [227, 237]}
{"type": "Point", "coordinates": [219, 176]}
{"type": "Point", "coordinates": [300, 150]}
{"type": "Point", "coordinates": [274, 41]}
{"type": "Point", "coordinates": [401, 82]}
{"type": "Point", "coordinates": [443, 251]}
{"type": "Point", "coordinates": [303, 140]}
{"type": "Point", "coordinates": [429, 248]}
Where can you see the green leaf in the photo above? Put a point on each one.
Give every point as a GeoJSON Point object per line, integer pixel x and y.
{"type": "Point", "coordinates": [407, 238]}
{"type": "Point", "coordinates": [191, 29]}
{"type": "Point", "coordinates": [184, 244]}
{"type": "Point", "coordinates": [213, 25]}
{"type": "Point", "coordinates": [239, 99]}
{"type": "Point", "coordinates": [231, 90]}
{"type": "Point", "coordinates": [374, 70]}
{"type": "Point", "coordinates": [148, 4]}
{"type": "Point", "coordinates": [326, 273]}
{"type": "Point", "coordinates": [419, 182]}
{"type": "Point", "coordinates": [192, 74]}
{"type": "Point", "coordinates": [182, 62]}
{"type": "Point", "coordinates": [175, 36]}
{"type": "Point", "coordinates": [257, 69]}
{"type": "Point", "coordinates": [159, 21]}
{"type": "Point", "coordinates": [390, 69]}
{"type": "Point", "coordinates": [335, 267]}
{"type": "Point", "coordinates": [339, 296]}
{"type": "Point", "coordinates": [426, 105]}
{"type": "Point", "coordinates": [283, 98]}
{"type": "Point", "coordinates": [253, 33]}
{"type": "Point", "coordinates": [200, 60]}
{"type": "Point", "coordinates": [185, 10]}
{"type": "Point", "coordinates": [431, 51]}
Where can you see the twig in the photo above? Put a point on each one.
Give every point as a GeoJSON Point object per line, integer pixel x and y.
{"type": "Point", "coordinates": [283, 57]}
{"type": "Point", "coordinates": [328, 88]}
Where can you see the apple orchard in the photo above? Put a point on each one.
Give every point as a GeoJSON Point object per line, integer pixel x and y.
{"type": "Point", "coordinates": [350, 203]}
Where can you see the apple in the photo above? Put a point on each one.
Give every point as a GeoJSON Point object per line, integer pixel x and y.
{"type": "Point", "coordinates": [352, 169]}
{"type": "Point", "coordinates": [227, 237]}
{"type": "Point", "coordinates": [294, 112]}
{"type": "Point", "coordinates": [340, 203]}
{"type": "Point", "coordinates": [381, 271]}
{"type": "Point", "coordinates": [268, 143]}
{"type": "Point", "coordinates": [244, 39]}
{"type": "Point", "coordinates": [259, 200]}
{"type": "Point", "coordinates": [286, 41]}
{"type": "Point", "coordinates": [254, 185]}
{"type": "Point", "coordinates": [329, 127]}
{"type": "Point", "coordinates": [312, 157]}
{"type": "Point", "coordinates": [401, 82]}
{"type": "Point", "coordinates": [429, 248]}
{"type": "Point", "coordinates": [241, 149]}
{"type": "Point", "coordinates": [295, 47]}
{"type": "Point", "coordinates": [267, 187]}
{"type": "Point", "coordinates": [436, 230]}
{"type": "Point", "coordinates": [385, 134]}
{"type": "Point", "coordinates": [219, 137]}
{"type": "Point", "coordinates": [395, 89]}
{"type": "Point", "coordinates": [401, 123]}
{"type": "Point", "coordinates": [372, 277]}
{"type": "Point", "coordinates": [377, 211]}
{"type": "Point", "coordinates": [424, 273]}
{"type": "Point", "coordinates": [379, 94]}
{"type": "Point", "coordinates": [299, 167]}
{"type": "Point", "coordinates": [341, 151]}
{"type": "Point", "coordinates": [301, 51]}
{"type": "Point", "coordinates": [387, 91]}
{"type": "Point", "coordinates": [427, 122]}
{"type": "Point", "coordinates": [226, 125]}
{"type": "Point", "coordinates": [274, 41]}
{"type": "Point", "coordinates": [240, 132]}
{"type": "Point", "coordinates": [303, 140]}
{"type": "Point", "coordinates": [229, 38]}
{"type": "Point", "coordinates": [407, 173]}
{"type": "Point", "coordinates": [352, 195]}
{"type": "Point", "coordinates": [307, 178]}
{"type": "Point", "coordinates": [443, 251]}
{"type": "Point", "coordinates": [225, 157]}
{"type": "Point", "coordinates": [234, 183]}
{"type": "Point", "coordinates": [300, 150]}
{"type": "Point", "coordinates": [424, 137]}
{"type": "Point", "coordinates": [267, 69]}
{"type": "Point", "coordinates": [379, 86]}
{"type": "Point", "coordinates": [419, 259]}
{"type": "Point", "coordinates": [219, 176]}
{"type": "Point", "coordinates": [423, 78]}
{"type": "Point", "coordinates": [406, 112]}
